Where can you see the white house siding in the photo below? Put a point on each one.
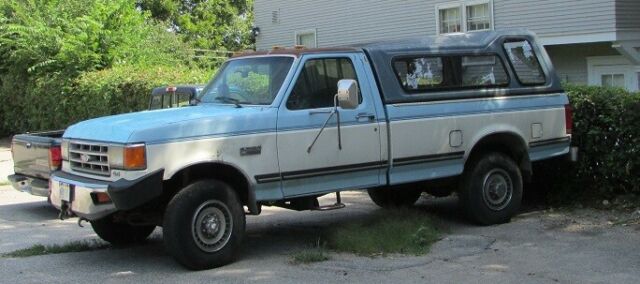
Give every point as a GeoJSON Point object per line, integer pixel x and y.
{"type": "Point", "coordinates": [553, 18]}
{"type": "Point", "coordinates": [342, 22]}
{"type": "Point", "coordinates": [628, 15]}
{"type": "Point", "coordinates": [570, 60]}
{"type": "Point", "coordinates": [355, 21]}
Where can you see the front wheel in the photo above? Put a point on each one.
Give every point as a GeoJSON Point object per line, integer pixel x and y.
{"type": "Point", "coordinates": [491, 189]}
{"type": "Point", "coordinates": [204, 225]}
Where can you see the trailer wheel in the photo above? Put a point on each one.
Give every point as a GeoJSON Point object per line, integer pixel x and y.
{"type": "Point", "coordinates": [204, 225]}
{"type": "Point", "coordinates": [491, 189]}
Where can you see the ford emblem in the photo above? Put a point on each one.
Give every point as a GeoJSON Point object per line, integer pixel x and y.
{"type": "Point", "coordinates": [84, 157]}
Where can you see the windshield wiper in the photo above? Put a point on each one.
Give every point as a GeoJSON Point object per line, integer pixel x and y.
{"type": "Point", "coordinates": [228, 100]}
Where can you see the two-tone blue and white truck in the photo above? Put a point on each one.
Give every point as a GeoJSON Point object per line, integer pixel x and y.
{"type": "Point", "coordinates": [466, 113]}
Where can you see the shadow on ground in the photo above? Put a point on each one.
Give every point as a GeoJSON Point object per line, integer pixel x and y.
{"type": "Point", "coordinates": [29, 212]}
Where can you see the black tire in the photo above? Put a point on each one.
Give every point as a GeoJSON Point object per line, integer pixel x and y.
{"type": "Point", "coordinates": [491, 189]}
{"type": "Point", "coordinates": [193, 221]}
{"type": "Point", "coordinates": [394, 196]}
{"type": "Point", "coordinates": [120, 233]}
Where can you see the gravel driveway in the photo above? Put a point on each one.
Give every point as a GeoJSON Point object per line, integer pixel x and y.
{"type": "Point", "coordinates": [582, 246]}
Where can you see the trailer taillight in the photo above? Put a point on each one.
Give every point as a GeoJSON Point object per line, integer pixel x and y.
{"type": "Point", "coordinates": [55, 158]}
{"type": "Point", "coordinates": [568, 118]}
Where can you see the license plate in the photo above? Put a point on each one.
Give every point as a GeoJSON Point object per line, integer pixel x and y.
{"type": "Point", "coordinates": [65, 192]}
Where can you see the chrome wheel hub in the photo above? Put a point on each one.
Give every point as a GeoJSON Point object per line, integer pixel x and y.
{"type": "Point", "coordinates": [497, 189]}
{"type": "Point", "coordinates": [212, 225]}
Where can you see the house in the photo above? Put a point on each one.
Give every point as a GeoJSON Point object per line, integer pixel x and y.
{"type": "Point", "coordinates": [594, 42]}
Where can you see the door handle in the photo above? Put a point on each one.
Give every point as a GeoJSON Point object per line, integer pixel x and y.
{"type": "Point", "coordinates": [369, 116]}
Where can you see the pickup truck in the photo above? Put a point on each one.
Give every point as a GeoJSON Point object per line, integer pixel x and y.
{"type": "Point", "coordinates": [282, 127]}
{"type": "Point", "coordinates": [36, 155]}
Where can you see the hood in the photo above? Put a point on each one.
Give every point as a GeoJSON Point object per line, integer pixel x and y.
{"type": "Point", "coordinates": [177, 123]}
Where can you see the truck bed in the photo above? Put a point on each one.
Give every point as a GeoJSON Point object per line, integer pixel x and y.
{"type": "Point", "coordinates": [31, 153]}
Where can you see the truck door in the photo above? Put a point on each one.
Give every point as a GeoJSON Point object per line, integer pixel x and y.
{"type": "Point", "coordinates": [325, 167]}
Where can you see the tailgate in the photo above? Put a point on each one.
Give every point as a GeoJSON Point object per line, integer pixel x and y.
{"type": "Point", "coordinates": [31, 155]}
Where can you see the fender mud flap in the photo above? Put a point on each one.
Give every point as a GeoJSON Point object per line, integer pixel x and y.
{"type": "Point", "coordinates": [129, 194]}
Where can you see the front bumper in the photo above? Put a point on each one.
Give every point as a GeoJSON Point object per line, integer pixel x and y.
{"type": "Point", "coordinates": [33, 186]}
{"type": "Point", "coordinates": [124, 194]}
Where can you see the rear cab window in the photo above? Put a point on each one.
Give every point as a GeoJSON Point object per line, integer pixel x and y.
{"type": "Point", "coordinates": [419, 74]}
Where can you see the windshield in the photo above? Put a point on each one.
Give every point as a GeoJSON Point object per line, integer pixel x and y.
{"type": "Point", "coordinates": [253, 81]}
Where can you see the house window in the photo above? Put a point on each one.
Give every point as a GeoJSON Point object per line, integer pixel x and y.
{"type": "Point", "coordinates": [306, 38]}
{"type": "Point", "coordinates": [612, 80]}
{"type": "Point", "coordinates": [613, 71]}
{"type": "Point", "coordinates": [478, 17]}
{"type": "Point", "coordinates": [450, 20]}
{"type": "Point", "coordinates": [467, 16]}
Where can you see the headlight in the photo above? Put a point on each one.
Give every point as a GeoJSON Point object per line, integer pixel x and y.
{"type": "Point", "coordinates": [129, 157]}
{"type": "Point", "coordinates": [64, 149]}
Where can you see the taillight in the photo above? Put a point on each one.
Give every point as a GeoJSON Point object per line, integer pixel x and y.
{"type": "Point", "coordinates": [568, 118]}
{"type": "Point", "coordinates": [55, 158]}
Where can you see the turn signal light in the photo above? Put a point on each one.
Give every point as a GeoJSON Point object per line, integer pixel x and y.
{"type": "Point", "coordinates": [135, 157]}
{"type": "Point", "coordinates": [100, 197]}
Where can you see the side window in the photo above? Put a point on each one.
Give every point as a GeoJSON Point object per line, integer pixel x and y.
{"type": "Point", "coordinates": [483, 71]}
{"type": "Point", "coordinates": [525, 62]}
{"type": "Point", "coordinates": [317, 84]}
{"type": "Point", "coordinates": [450, 72]}
{"type": "Point", "coordinates": [182, 99]}
{"type": "Point", "coordinates": [156, 102]}
{"type": "Point", "coordinates": [166, 101]}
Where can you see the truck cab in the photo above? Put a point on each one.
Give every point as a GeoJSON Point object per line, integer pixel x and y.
{"type": "Point", "coordinates": [466, 113]}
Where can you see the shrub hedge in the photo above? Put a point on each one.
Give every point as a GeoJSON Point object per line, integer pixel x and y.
{"type": "Point", "coordinates": [54, 102]}
{"type": "Point", "coordinates": [607, 131]}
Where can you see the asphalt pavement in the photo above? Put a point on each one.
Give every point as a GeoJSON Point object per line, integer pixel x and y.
{"type": "Point", "coordinates": [543, 246]}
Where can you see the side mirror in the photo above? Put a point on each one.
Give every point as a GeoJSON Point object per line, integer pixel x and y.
{"type": "Point", "coordinates": [348, 94]}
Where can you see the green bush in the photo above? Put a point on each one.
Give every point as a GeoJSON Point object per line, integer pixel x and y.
{"type": "Point", "coordinates": [53, 103]}
{"type": "Point", "coordinates": [66, 60]}
{"type": "Point", "coordinates": [606, 128]}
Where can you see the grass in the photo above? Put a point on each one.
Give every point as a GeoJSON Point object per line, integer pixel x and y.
{"type": "Point", "coordinates": [401, 231]}
{"type": "Point", "coordinates": [77, 246]}
{"type": "Point", "coordinates": [309, 255]}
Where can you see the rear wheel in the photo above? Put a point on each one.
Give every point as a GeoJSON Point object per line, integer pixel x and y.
{"type": "Point", "coordinates": [120, 233]}
{"type": "Point", "coordinates": [204, 225]}
{"type": "Point", "coordinates": [394, 196]}
{"type": "Point", "coordinates": [491, 189]}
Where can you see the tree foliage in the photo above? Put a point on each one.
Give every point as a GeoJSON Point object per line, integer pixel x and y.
{"type": "Point", "coordinates": [46, 45]}
{"type": "Point", "coordinates": [206, 24]}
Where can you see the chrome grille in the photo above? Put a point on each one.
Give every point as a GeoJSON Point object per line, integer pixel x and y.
{"type": "Point", "coordinates": [89, 158]}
